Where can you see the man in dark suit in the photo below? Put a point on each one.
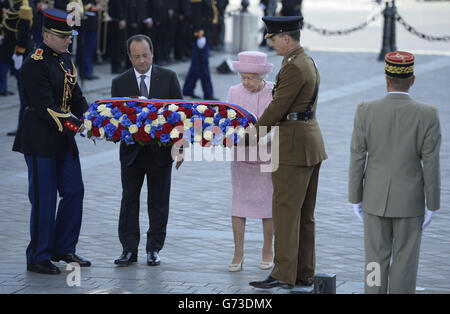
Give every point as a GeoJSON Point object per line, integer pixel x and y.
{"type": "Point", "coordinates": [150, 81]}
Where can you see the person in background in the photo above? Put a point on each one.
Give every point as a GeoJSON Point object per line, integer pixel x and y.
{"type": "Point", "coordinates": [204, 16]}
{"type": "Point", "coordinates": [252, 189]}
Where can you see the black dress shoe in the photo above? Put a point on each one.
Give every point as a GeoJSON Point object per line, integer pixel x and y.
{"type": "Point", "coordinates": [12, 133]}
{"type": "Point", "coordinates": [211, 98]}
{"type": "Point", "coordinates": [71, 258]}
{"type": "Point", "coordinates": [153, 259]}
{"type": "Point", "coordinates": [126, 258]}
{"type": "Point", "coordinates": [304, 283]}
{"type": "Point", "coordinates": [193, 96]}
{"type": "Point", "coordinates": [44, 267]}
{"type": "Point", "coordinates": [270, 283]}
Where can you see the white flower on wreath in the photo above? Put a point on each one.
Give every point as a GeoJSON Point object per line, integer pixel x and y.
{"type": "Point", "coordinates": [231, 114]}
{"type": "Point", "coordinates": [88, 124]}
{"type": "Point", "coordinates": [230, 131]}
{"type": "Point", "coordinates": [201, 108]}
{"type": "Point", "coordinates": [161, 119]}
{"type": "Point", "coordinates": [145, 109]}
{"type": "Point", "coordinates": [182, 115]}
{"type": "Point", "coordinates": [114, 122]}
{"type": "Point", "coordinates": [173, 107]}
{"type": "Point", "coordinates": [147, 128]}
{"type": "Point", "coordinates": [209, 120]}
{"type": "Point", "coordinates": [133, 129]}
{"type": "Point", "coordinates": [174, 133]}
{"type": "Point", "coordinates": [102, 132]}
{"type": "Point", "coordinates": [208, 135]}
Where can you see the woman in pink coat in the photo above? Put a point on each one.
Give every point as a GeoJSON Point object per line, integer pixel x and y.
{"type": "Point", "coordinates": [252, 189]}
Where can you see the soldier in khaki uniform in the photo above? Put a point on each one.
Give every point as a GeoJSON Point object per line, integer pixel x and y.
{"type": "Point", "coordinates": [394, 169]}
{"type": "Point", "coordinates": [301, 151]}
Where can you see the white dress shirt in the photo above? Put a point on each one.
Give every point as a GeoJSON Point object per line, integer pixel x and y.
{"type": "Point", "coordinates": [147, 78]}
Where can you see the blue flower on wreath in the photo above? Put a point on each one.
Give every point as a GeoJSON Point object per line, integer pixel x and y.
{"type": "Point", "coordinates": [131, 104]}
{"type": "Point", "coordinates": [98, 122]}
{"type": "Point", "coordinates": [152, 108]}
{"type": "Point", "coordinates": [217, 118]}
{"type": "Point", "coordinates": [141, 118]}
{"type": "Point", "coordinates": [125, 121]}
{"type": "Point", "coordinates": [110, 129]}
{"type": "Point", "coordinates": [243, 121]}
{"type": "Point", "coordinates": [109, 105]}
{"type": "Point", "coordinates": [165, 138]}
{"type": "Point", "coordinates": [174, 118]}
{"type": "Point", "coordinates": [116, 113]}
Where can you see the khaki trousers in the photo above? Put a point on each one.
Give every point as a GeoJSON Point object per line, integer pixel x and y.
{"type": "Point", "coordinates": [394, 245]}
{"type": "Point", "coordinates": [293, 203]}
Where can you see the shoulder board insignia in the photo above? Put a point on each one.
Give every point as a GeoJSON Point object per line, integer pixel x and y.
{"type": "Point", "coordinates": [361, 104]}
{"type": "Point", "coordinates": [433, 108]}
{"type": "Point", "coordinates": [37, 55]}
{"type": "Point", "coordinates": [291, 58]}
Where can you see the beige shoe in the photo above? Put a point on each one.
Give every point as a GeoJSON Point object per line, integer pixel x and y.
{"type": "Point", "coordinates": [266, 265]}
{"type": "Point", "coordinates": [236, 267]}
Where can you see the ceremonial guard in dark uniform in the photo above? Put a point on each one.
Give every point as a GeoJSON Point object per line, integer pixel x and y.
{"type": "Point", "coordinates": [204, 16]}
{"type": "Point", "coordinates": [17, 41]}
{"type": "Point", "coordinates": [89, 31]}
{"type": "Point", "coordinates": [291, 8]}
{"type": "Point", "coordinates": [118, 38]}
{"type": "Point", "coordinates": [55, 105]}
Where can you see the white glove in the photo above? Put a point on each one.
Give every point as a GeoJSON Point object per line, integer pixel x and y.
{"type": "Point", "coordinates": [428, 217]}
{"type": "Point", "coordinates": [357, 208]}
{"type": "Point", "coordinates": [18, 60]}
{"type": "Point", "coordinates": [201, 42]}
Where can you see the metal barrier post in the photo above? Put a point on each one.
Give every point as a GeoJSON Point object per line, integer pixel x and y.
{"type": "Point", "coordinates": [393, 43]}
{"type": "Point", "coordinates": [386, 40]}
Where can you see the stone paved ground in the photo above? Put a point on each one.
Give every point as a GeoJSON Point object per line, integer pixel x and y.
{"type": "Point", "coordinates": [199, 244]}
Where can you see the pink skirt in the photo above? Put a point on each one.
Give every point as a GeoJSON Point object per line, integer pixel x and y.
{"type": "Point", "coordinates": [252, 191]}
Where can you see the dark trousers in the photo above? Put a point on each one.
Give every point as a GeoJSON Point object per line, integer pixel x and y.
{"type": "Point", "coordinates": [158, 187]}
{"type": "Point", "coordinates": [118, 46]}
{"type": "Point", "coordinates": [199, 69]}
{"type": "Point", "coordinates": [90, 49]}
{"type": "Point", "coordinates": [47, 177]}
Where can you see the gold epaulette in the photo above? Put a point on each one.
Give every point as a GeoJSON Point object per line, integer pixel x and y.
{"type": "Point", "coordinates": [433, 108]}
{"type": "Point", "coordinates": [196, 1]}
{"type": "Point", "coordinates": [38, 55]}
{"type": "Point", "coordinates": [25, 11]}
{"type": "Point", "coordinates": [361, 104]}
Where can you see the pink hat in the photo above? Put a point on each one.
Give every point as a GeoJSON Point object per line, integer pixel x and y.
{"type": "Point", "coordinates": [252, 62]}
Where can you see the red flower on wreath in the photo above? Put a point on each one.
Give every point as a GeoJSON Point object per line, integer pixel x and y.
{"type": "Point", "coordinates": [95, 131]}
{"type": "Point", "coordinates": [152, 116]}
{"type": "Point", "coordinates": [167, 128]}
{"type": "Point", "coordinates": [208, 113]}
{"type": "Point", "coordinates": [167, 113]}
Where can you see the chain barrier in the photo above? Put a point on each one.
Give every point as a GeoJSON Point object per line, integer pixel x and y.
{"type": "Point", "coordinates": [326, 32]}
{"type": "Point", "coordinates": [412, 30]}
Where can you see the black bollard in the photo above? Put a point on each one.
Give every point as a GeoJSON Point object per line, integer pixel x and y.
{"type": "Point", "coordinates": [393, 43]}
{"type": "Point", "coordinates": [386, 41]}
{"type": "Point", "coordinates": [244, 4]}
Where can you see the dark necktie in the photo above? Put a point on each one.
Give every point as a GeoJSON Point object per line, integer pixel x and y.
{"type": "Point", "coordinates": [143, 88]}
